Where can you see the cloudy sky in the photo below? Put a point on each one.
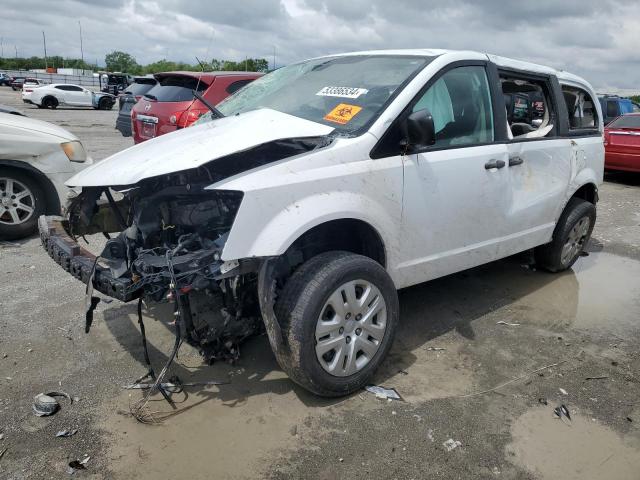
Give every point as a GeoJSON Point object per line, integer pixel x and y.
{"type": "Point", "coordinates": [597, 39]}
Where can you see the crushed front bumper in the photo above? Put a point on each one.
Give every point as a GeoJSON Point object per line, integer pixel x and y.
{"type": "Point", "coordinates": [79, 262]}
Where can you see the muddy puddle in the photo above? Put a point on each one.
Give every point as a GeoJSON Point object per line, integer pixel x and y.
{"type": "Point", "coordinates": [580, 449]}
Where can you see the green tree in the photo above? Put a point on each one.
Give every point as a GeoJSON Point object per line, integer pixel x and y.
{"type": "Point", "coordinates": [118, 61]}
{"type": "Point", "coordinates": [636, 98]}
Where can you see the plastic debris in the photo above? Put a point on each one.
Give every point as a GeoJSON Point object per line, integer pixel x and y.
{"type": "Point", "coordinates": [430, 435]}
{"type": "Point", "coordinates": [436, 349]}
{"type": "Point", "coordinates": [44, 404]}
{"type": "Point", "coordinates": [76, 465]}
{"type": "Point", "coordinates": [1, 436]}
{"type": "Point", "coordinates": [502, 322]}
{"type": "Point", "coordinates": [563, 391]}
{"type": "Point", "coordinates": [67, 433]}
{"type": "Point", "coordinates": [382, 392]}
{"type": "Point", "coordinates": [452, 444]}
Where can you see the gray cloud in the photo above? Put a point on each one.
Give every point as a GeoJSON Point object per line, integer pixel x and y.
{"type": "Point", "coordinates": [596, 39]}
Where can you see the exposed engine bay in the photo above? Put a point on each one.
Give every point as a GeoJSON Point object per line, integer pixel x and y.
{"type": "Point", "coordinates": [165, 239]}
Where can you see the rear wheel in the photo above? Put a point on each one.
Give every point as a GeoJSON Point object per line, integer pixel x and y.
{"type": "Point", "coordinates": [50, 102]}
{"type": "Point", "coordinates": [21, 203]}
{"type": "Point", "coordinates": [338, 313]}
{"type": "Point", "coordinates": [571, 235]}
{"type": "Point", "coordinates": [105, 104]}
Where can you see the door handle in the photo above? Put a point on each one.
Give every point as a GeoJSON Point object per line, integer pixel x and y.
{"type": "Point", "coordinates": [494, 164]}
{"type": "Point", "coordinates": [515, 161]}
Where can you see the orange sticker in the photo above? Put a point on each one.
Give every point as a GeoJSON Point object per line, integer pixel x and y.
{"type": "Point", "coordinates": [343, 113]}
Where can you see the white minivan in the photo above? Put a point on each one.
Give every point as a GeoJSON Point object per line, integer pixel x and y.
{"type": "Point", "coordinates": [302, 203]}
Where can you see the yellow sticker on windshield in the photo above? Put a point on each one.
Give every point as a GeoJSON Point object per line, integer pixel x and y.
{"type": "Point", "coordinates": [343, 113]}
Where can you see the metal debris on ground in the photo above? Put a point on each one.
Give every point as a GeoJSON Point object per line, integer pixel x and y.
{"type": "Point", "coordinates": [383, 393]}
{"type": "Point", "coordinates": [436, 349]}
{"type": "Point", "coordinates": [502, 322]}
{"type": "Point", "coordinates": [171, 385]}
{"type": "Point", "coordinates": [452, 444]}
{"type": "Point", "coordinates": [600, 377]}
{"type": "Point", "coordinates": [67, 433]}
{"type": "Point", "coordinates": [3, 452]}
{"type": "Point", "coordinates": [562, 411]}
{"type": "Point", "coordinates": [563, 391]}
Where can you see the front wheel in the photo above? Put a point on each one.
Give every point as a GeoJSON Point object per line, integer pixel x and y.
{"type": "Point", "coordinates": [338, 314]}
{"type": "Point", "coordinates": [21, 203]}
{"type": "Point", "coordinates": [571, 235]}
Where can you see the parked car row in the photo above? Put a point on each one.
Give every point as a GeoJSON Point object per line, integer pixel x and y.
{"type": "Point", "coordinates": [153, 106]}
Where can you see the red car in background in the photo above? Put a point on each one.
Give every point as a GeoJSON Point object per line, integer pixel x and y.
{"type": "Point", "coordinates": [170, 104]}
{"type": "Point", "coordinates": [622, 143]}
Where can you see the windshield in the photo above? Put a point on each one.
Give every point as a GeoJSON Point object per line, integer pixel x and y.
{"type": "Point", "coordinates": [346, 92]}
{"type": "Point", "coordinates": [626, 121]}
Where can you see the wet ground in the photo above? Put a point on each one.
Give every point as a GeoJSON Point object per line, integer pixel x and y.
{"type": "Point", "coordinates": [462, 376]}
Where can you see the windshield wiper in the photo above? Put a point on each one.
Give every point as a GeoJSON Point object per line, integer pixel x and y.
{"type": "Point", "coordinates": [214, 110]}
{"type": "Point", "coordinates": [152, 97]}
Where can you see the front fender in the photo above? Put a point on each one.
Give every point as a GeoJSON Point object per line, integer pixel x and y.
{"type": "Point", "coordinates": [258, 232]}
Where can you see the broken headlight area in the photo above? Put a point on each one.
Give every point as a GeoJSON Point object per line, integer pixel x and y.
{"type": "Point", "coordinates": [166, 238]}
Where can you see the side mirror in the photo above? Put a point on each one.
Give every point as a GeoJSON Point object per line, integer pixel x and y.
{"type": "Point", "coordinates": [419, 130]}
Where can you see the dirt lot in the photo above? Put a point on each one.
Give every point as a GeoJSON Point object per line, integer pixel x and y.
{"type": "Point", "coordinates": [450, 349]}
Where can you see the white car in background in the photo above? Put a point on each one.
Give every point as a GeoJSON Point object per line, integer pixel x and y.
{"type": "Point", "coordinates": [29, 85]}
{"type": "Point", "coordinates": [51, 96]}
{"type": "Point", "coordinates": [36, 158]}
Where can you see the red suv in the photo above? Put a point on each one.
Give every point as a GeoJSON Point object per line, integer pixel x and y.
{"type": "Point", "coordinates": [170, 104]}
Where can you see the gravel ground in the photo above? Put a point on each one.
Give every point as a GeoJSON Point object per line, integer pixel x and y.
{"type": "Point", "coordinates": [448, 359]}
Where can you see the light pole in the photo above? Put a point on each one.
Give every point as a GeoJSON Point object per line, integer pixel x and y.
{"type": "Point", "coordinates": [44, 41]}
{"type": "Point", "coordinates": [81, 51]}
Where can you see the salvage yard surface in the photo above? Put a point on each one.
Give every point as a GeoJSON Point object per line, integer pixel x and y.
{"type": "Point", "coordinates": [460, 338]}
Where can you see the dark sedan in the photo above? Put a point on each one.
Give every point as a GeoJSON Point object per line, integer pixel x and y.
{"type": "Point", "coordinates": [128, 99]}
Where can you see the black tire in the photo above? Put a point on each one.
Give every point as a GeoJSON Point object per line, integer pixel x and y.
{"type": "Point", "coordinates": [50, 102]}
{"type": "Point", "coordinates": [549, 256]}
{"type": "Point", "coordinates": [299, 308]}
{"type": "Point", "coordinates": [105, 104]}
{"type": "Point", "coordinates": [21, 230]}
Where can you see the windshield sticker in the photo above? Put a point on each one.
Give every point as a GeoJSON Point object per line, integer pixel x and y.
{"type": "Point", "coordinates": [343, 113]}
{"type": "Point", "coordinates": [345, 92]}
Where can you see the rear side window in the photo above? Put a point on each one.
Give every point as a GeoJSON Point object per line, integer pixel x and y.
{"type": "Point", "coordinates": [235, 86]}
{"type": "Point", "coordinates": [139, 89]}
{"type": "Point", "coordinates": [460, 103]}
{"type": "Point", "coordinates": [176, 88]}
{"type": "Point", "coordinates": [612, 108]}
{"type": "Point", "coordinates": [626, 121]}
{"type": "Point", "coordinates": [580, 107]}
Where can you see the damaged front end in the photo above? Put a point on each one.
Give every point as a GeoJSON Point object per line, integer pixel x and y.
{"type": "Point", "coordinates": [165, 237]}
{"type": "Point", "coordinates": [169, 241]}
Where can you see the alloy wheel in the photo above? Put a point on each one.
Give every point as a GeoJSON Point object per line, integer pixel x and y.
{"type": "Point", "coordinates": [350, 328]}
{"type": "Point", "coordinates": [575, 241]}
{"type": "Point", "coordinates": [17, 202]}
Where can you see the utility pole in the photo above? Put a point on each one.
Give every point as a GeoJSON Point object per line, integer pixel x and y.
{"type": "Point", "coordinates": [274, 57]}
{"type": "Point", "coordinates": [44, 41]}
{"type": "Point", "coordinates": [16, 47]}
{"type": "Point", "coordinates": [2, 46]}
{"type": "Point", "coordinates": [245, 63]}
{"type": "Point", "coordinates": [81, 50]}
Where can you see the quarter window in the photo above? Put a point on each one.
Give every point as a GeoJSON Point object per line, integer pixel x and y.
{"type": "Point", "coordinates": [460, 103]}
{"type": "Point", "coordinates": [581, 109]}
{"type": "Point", "coordinates": [612, 109]}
